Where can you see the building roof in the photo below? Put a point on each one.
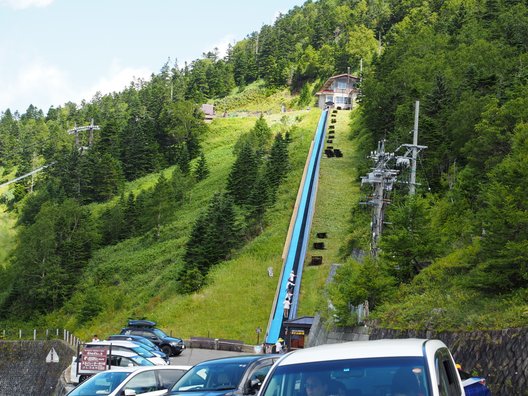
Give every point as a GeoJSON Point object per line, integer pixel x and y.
{"type": "Point", "coordinates": [303, 320]}
{"type": "Point", "coordinates": [326, 86]}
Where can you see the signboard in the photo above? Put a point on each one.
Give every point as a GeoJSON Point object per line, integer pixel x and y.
{"type": "Point", "coordinates": [297, 332]}
{"type": "Point", "coordinates": [93, 359]}
{"type": "Point", "coordinates": [52, 356]}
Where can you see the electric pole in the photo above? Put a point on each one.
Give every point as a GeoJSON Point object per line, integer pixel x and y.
{"type": "Point", "coordinates": [75, 131]}
{"type": "Point", "coordinates": [382, 178]}
{"type": "Point", "coordinates": [412, 187]}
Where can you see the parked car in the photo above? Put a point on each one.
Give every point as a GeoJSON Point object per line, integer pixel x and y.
{"type": "Point", "coordinates": [130, 381]}
{"type": "Point", "coordinates": [473, 386]}
{"type": "Point", "coordinates": [169, 345]}
{"type": "Point", "coordinates": [141, 341]}
{"type": "Point", "coordinates": [117, 359]}
{"type": "Point", "coordinates": [409, 367]}
{"type": "Point", "coordinates": [127, 346]}
{"type": "Point", "coordinates": [240, 375]}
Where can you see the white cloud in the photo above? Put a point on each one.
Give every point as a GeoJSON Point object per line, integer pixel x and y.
{"type": "Point", "coordinates": [44, 85]}
{"type": "Point", "coordinates": [222, 45]}
{"type": "Point", "coordinates": [39, 84]}
{"type": "Point", "coordinates": [117, 79]}
{"type": "Point", "coordinates": [23, 4]}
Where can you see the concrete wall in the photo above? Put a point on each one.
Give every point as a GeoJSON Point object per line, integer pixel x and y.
{"type": "Point", "coordinates": [23, 367]}
{"type": "Point", "coordinates": [500, 356]}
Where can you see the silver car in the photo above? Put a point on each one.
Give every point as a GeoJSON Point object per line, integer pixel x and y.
{"type": "Point", "coordinates": [131, 381]}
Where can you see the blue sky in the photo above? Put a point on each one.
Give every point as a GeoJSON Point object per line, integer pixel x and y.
{"type": "Point", "coordinates": [54, 51]}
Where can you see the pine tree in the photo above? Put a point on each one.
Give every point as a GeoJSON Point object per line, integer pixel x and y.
{"type": "Point", "coordinates": [243, 175]}
{"type": "Point", "coordinates": [214, 235]}
{"type": "Point", "coordinates": [258, 202]}
{"type": "Point", "coordinates": [277, 165]}
{"type": "Point", "coordinates": [195, 254]}
{"type": "Point", "coordinates": [202, 170]}
{"type": "Point", "coordinates": [131, 217]}
{"type": "Point", "coordinates": [112, 223]}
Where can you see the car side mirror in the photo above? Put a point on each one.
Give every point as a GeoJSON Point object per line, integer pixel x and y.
{"type": "Point", "coordinates": [254, 386]}
{"type": "Point", "coordinates": [130, 392]}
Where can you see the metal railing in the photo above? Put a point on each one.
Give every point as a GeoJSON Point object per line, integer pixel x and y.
{"type": "Point", "coordinates": [39, 335]}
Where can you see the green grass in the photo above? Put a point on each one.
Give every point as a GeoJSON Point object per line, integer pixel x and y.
{"type": "Point", "coordinates": [253, 98]}
{"type": "Point", "coordinates": [137, 277]}
{"type": "Point", "coordinates": [336, 194]}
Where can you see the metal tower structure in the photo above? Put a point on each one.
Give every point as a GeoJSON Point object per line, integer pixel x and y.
{"type": "Point", "coordinates": [383, 177]}
{"type": "Point", "coordinates": [75, 131]}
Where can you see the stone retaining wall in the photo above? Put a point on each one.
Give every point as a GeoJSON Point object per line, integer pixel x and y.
{"type": "Point", "coordinates": [23, 367]}
{"type": "Point", "coordinates": [500, 356]}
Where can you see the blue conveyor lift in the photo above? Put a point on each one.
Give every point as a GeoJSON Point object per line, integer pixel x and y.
{"type": "Point", "coordinates": [299, 238]}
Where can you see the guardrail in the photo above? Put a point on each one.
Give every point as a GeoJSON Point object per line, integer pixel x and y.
{"type": "Point", "coordinates": [39, 334]}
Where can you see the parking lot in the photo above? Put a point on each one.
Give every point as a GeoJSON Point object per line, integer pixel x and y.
{"type": "Point", "coordinates": [192, 356]}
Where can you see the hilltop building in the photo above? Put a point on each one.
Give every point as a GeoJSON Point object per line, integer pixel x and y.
{"type": "Point", "coordinates": [209, 112]}
{"type": "Point", "coordinates": [339, 91]}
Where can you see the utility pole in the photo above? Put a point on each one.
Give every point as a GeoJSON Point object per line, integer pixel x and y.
{"type": "Point", "coordinates": [412, 187]}
{"type": "Point", "coordinates": [411, 155]}
{"type": "Point", "coordinates": [75, 131]}
{"type": "Point", "coordinates": [360, 70]}
{"type": "Point", "coordinates": [382, 178]}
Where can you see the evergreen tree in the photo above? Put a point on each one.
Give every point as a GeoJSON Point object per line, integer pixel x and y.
{"type": "Point", "coordinates": [202, 170]}
{"type": "Point", "coordinates": [181, 184]}
{"type": "Point", "coordinates": [277, 165]}
{"type": "Point", "coordinates": [139, 152]}
{"type": "Point", "coordinates": [159, 206]}
{"type": "Point", "coordinates": [409, 244]}
{"type": "Point", "coordinates": [502, 262]}
{"type": "Point", "coordinates": [113, 223]}
{"type": "Point", "coordinates": [215, 233]}
{"type": "Point", "coordinates": [243, 175]}
{"type": "Point", "coordinates": [50, 258]}
{"type": "Point", "coordinates": [131, 217]}
{"type": "Point", "coordinates": [258, 202]}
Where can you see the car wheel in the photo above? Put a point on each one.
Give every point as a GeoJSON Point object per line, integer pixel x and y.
{"type": "Point", "coordinates": [166, 349]}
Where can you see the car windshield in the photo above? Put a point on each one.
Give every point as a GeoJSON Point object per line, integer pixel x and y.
{"type": "Point", "coordinates": [141, 361]}
{"type": "Point", "coordinates": [147, 342]}
{"type": "Point", "coordinates": [160, 333]}
{"type": "Point", "coordinates": [142, 352]}
{"type": "Point", "coordinates": [402, 376]}
{"type": "Point", "coordinates": [101, 384]}
{"type": "Point", "coordinates": [212, 376]}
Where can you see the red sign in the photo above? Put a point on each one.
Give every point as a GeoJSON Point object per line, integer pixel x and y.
{"type": "Point", "coordinates": [94, 359]}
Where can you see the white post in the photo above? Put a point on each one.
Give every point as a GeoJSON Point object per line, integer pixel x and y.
{"type": "Point", "coordinates": [34, 334]}
{"type": "Point", "coordinates": [412, 187]}
{"type": "Point", "coordinates": [19, 333]}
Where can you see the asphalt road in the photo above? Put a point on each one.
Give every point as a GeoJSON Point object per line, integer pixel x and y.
{"type": "Point", "coordinates": [192, 356]}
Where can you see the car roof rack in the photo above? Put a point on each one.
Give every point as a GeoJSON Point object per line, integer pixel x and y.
{"type": "Point", "coordinates": [141, 323]}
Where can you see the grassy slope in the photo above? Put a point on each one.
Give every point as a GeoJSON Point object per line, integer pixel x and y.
{"type": "Point", "coordinates": [335, 196]}
{"type": "Point", "coordinates": [140, 273]}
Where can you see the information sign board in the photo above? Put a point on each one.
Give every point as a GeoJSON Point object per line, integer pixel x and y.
{"type": "Point", "coordinates": [93, 359]}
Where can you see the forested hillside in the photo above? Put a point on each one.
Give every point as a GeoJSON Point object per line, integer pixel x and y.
{"type": "Point", "coordinates": [452, 256]}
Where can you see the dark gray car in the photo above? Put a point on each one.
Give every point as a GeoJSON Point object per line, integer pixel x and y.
{"type": "Point", "coordinates": [240, 375]}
